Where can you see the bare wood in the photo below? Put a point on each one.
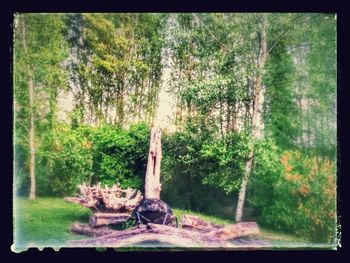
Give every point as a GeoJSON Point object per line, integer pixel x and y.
{"type": "Point", "coordinates": [85, 229]}
{"type": "Point", "coordinates": [112, 200]}
{"type": "Point", "coordinates": [152, 179]}
{"type": "Point", "coordinates": [197, 224]}
{"type": "Point", "coordinates": [185, 237]}
{"type": "Point", "coordinates": [153, 232]}
{"type": "Point", "coordinates": [235, 230]}
{"type": "Point", "coordinates": [103, 219]}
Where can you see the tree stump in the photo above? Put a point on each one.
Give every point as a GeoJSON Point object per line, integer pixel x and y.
{"type": "Point", "coordinates": [152, 179]}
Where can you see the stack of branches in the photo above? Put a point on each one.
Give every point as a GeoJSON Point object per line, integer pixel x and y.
{"type": "Point", "coordinates": [194, 232]}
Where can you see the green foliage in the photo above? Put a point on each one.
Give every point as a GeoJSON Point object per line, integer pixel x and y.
{"type": "Point", "coordinates": [115, 63]}
{"type": "Point", "coordinates": [108, 155]}
{"type": "Point", "coordinates": [282, 122]}
{"type": "Point", "coordinates": [183, 171]}
{"type": "Point", "coordinates": [120, 155]}
{"type": "Point", "coordinates": [290, 193]}
{"type": "Point", "coordinates": [227, 157]}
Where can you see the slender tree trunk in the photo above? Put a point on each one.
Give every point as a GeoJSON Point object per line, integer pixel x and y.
{"type": "Point", "coordinates": [31, 141]}
{"type": "Point", "coordinates": [228, 117]}
{"type": "Point", "coordinates": [221, 117]}
{"type": "Point", "coordinates": [257, 124]}
{"type": "Point", "coordinates": [31, 121]}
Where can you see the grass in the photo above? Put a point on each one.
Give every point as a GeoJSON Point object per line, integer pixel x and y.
{"type": "Point", "coordinates": [45, 222]}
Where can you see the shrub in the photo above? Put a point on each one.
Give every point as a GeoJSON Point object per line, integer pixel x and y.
{"type": "Point", "coordinates": [120, 155]}
{"type": "Point", "coordinates": [298, 195]}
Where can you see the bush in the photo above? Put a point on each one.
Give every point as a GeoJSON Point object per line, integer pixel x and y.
{"type": "Point", "coordinates": [70, 156]}
{"type": "Point", "coordinates": [70, 160]}
{"type": "Point", "coordinates": [296, 194]}
{"type": "Point", "coordinates": [120, 156]}
{"type": "Point", "coordinates": [183, 170]}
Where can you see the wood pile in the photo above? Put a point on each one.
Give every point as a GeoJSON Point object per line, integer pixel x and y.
{"type": "Point", "coordinates": [162, 234]}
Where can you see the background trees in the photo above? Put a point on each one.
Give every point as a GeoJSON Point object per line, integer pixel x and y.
{"type": "Point", "coordinates": [38, 75]}
{"type": "Point", "coordinates": [254, 98]}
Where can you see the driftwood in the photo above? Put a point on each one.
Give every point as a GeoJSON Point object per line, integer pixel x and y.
{"type": "Point", "coordinates": [152, 233]}
{"type": "Point", "coordinates": [85, 229]}
{"type": "Point", "coordinates": [195, 232]}
{"type": "Point", "coordinates": [235, 230]}
{"type": "Point", "coordinates": [107, 200]}
{"type": "Point", "coordinates": [223, 232]}
{"type": "Point", "coordinates": [195, 223]}
{"type": "Point", "coordinates": [103, 219]}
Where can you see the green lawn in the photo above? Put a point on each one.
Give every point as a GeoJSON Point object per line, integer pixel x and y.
{"type": "Point", "coordinates": [45, 223]}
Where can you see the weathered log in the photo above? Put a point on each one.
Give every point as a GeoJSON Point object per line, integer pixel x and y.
{"type": "Point", "coordinates": [85, 229]}
{"type": "Point", "coordinates": [111, 200]}
{"type": "Point", "coordinates": [235, 230]}
{"type": "Point", "coordinates": [197, 224]}
{"type": "Point", "coordinates": [172, 236]}
{"type": "Point", "coordinates": [153, 233]}
{"type": "Point", "coordinates": [103, 219]}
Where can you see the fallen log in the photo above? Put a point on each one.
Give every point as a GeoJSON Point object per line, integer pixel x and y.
{"type": "Point", "coordinates": [153, 233]}
{"type": "Point", "coordinates": [85, 229]}
{"type": "Point", "coordinates": [195, 223]}
{"type": "Point", "coordinates": [103, 219]}
{"type": "Point", "coordinates": [235, 230]}
{"type": "Point", "coordinates": [171, 236]}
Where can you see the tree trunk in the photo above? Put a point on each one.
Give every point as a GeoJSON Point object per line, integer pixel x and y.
{"type": "Point", "coordinates": [257, 122]}
{"type": "Point", "coordinates": [31, 142]}
{"type": "Point", "coordinates": [31, 121]}
{"type": "Point", "coordinates": [152, 180]}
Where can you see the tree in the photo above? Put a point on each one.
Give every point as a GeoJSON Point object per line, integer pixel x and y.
{"type": "Point", "coordinates": [257, 122]}
{"type": "Point", "coordinates": [115, 62]}
{"type": "Point", "coordinates": [38, 54]}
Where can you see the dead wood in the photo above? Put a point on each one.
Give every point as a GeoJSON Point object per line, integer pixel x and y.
{"type": "Point", "coordinates": [85, 229]}
{"type": "Point", "coordinates": [235, 230]}
{"type": "Point", "coordinates": [152, 233]}
{"type": "Point", "coordinates": [103, 219]}
{"type": "Point", "coordinates": [195, 223]}
{"type": "Point", "coordinates": [110, 200]}
{"type": "Point", "coordinates": [172, 236]}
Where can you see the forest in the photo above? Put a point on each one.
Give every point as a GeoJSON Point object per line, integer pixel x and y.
{"type": "Point", "coordinates": [246, 102]}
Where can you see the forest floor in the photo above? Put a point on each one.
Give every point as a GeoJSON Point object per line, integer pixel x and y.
{"type": "Point", "coordinates": [45, 222]}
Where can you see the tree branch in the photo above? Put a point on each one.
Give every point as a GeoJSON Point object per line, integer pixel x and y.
{"type": "Point", "coordinates": [212, 35]}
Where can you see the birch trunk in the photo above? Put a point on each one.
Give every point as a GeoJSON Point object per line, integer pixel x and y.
{"type": "Point", "coordinates": [152, 180]}
{"type": "Point", "coordinates": [257, 123]}
{"type": "Point", "coordinates": [32, 189]}
{"type": "Point", "coordinates": [31, 142]}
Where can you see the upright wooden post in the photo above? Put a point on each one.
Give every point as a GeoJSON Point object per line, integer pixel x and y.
{"type": "Point", "coordinates": [152, 180]}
